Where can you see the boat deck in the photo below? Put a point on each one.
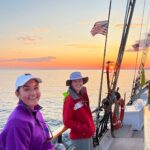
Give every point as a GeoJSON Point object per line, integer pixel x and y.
{"type": "Point", "coordinates": [125, 139]}
{"type": "Point", "coordinates": [127, 144]}
{"type": "Point", "coordinates": [128, 139]}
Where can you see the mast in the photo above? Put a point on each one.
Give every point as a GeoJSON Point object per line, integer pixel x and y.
{"type": "Point", "coordinates": [111, 96]}
{"type": "Point", "coordinates": [127, 23]}
{"type": "Point", "coordinates": [104, 55]}
{"type": "Point", "coordinates": [107, 102]}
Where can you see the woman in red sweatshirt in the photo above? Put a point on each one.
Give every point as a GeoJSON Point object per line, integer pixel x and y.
{"type": "Point", "coordinates": [77, 114]}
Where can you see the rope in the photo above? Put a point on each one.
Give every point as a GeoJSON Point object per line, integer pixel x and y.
{"type": "Point", "coordinates": [127, 23]}
{"type": "Point", "coordinates": [146, 36]}
{"type": "Point", "coordinates": [143, 59]}
{"type": "Point", "coordinates": [144, 54]}
{"type": "Point", "coordinates": [137, 54]}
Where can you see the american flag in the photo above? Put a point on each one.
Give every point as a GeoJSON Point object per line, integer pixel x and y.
{"type": "Point", "coordinates": [100, 27]}
{"type": "Point", "coordinates": [136, 46]}
{"type": "Point", "coordinates": [143, 43]}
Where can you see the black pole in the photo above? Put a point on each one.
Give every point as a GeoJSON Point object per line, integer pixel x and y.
{"type": "Point", "coordinates": [104, 55]}
{"type": "Point", "coordinates": [107, 74]}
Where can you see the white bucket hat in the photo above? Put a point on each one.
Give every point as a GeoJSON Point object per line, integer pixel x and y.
{"type": "Point", "coordinates": [23, 79]}
{"type": "Point", "coordinates": [76, 76]}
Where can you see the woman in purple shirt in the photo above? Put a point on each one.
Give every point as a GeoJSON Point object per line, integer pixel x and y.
{"type": "Point", "coordinates": [26, 128]}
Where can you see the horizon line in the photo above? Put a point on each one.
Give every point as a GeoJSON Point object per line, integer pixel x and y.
{"type": "Point", "coordinates": [65, 68]}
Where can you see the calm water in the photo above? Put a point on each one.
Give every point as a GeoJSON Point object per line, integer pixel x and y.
{"type": "Point", "coordinates": [52, 88]}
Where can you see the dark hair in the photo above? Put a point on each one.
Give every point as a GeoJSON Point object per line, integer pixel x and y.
{"type": "Point", "coordinates": [18, 89]}
{"type": "Point", "coordinates": [70, 82]}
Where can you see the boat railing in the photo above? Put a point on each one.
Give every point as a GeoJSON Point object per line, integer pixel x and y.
{"type": "Point", "coordinates": [142, 90]}
{"type": "Point", "coordinates": [102, 128]}
{"type": "Point", "coordinates": [58, 133]}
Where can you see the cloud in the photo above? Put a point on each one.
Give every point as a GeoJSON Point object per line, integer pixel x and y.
{"type": "Point", "coordinates": [134, 25]}
{"type": "Point", "coordinates": [31, 36]}
{"type": "Point", "coordinates": [37, 59]}
{"type": "Point", "coordinates": [83, 46]}
{"type": "Point", "coordinates": [29, 39]}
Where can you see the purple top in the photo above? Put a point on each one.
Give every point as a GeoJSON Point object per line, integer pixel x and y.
{"type": "Point", "coordinates": [25, 130]}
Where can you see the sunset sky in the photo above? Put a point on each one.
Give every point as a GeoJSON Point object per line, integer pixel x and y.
{"type": "Point", "coordinates": [56, 33]}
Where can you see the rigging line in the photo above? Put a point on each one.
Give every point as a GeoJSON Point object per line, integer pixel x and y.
{"type": "Point", "coordinates": [103, 65]}
{"type": "Point", "coordinates": [144, 55]}
{"type": "Point", "coordinates": [147, 28]}
{"type": "Point", "coordinates": [146, 38]}
{"type": "Point", "coordinates": [127, 11]}
{"type": "Point", "coordinates": [140, 37]}
{"type": "Point", "coordinates": [124, 26]}
{"type": "Point", "coordinates": [137, 54]}
{"type": "Point", "coordinates": [127, 24]}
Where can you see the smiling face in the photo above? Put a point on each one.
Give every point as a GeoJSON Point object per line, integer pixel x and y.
{"type": "Point", "coordinates": [77, 85]}
{"type": "Point", "coordinates": [29, 93]}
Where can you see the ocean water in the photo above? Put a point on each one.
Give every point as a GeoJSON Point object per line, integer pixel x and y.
{"type": "Point", "coordinates": [52, 88]}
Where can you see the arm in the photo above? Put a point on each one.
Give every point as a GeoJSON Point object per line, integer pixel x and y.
{"type": "Point", "coordinates": [18, 138]}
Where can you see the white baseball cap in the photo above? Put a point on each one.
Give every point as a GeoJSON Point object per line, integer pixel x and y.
{"type": "Point", "coordinates": [23, 79]}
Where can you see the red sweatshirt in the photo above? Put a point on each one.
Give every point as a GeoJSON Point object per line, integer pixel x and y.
{"type": "Point", "coordinates": [77, 115]}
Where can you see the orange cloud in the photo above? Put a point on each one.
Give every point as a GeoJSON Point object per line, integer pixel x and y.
{"type": "Point", "coordinates": [38, 59]}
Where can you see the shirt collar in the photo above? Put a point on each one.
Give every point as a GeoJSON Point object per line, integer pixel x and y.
{"type": "Point", "coordinates": [73, 94]}
{"type": "Point", "coordinates": [36, 108]}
